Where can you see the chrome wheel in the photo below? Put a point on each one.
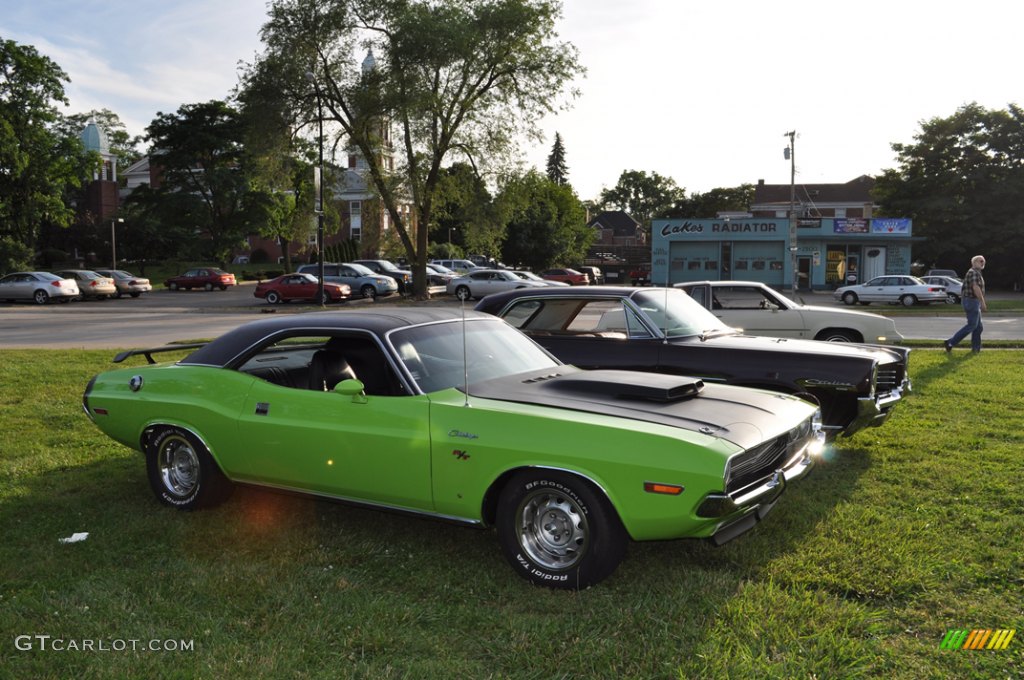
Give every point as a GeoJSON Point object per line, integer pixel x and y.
{"type": "Point", "coordinates": [178, 464]}
{"type": "Point", "coordinates": [462, 292]}
{"type": "Point", "coordinates": [552, 529]}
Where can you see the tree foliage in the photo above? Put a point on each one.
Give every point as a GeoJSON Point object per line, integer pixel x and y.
{"type": "Point", "coordinates": [546, 223]}
{"type": "Point", "coordinates": [125, 147]}
{"type": "Point", "coordinates": [713, 202]}
{"type": "Point", "coordinates": [962, 182]}
{"type": "Point", "coordinates": [558, 171]}
{"type": "Point", "coordinates": [644, 196]}
{"type": "Point", "coordinates": [454, 80]}
{"type": "Point", "coordinates": [466, 213]}
{"type": "Point", "coordinates": [37, 163]}
{"type": "Point", "coordinates": [205, 183]}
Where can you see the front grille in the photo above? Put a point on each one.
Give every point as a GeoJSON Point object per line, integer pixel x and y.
{"type": "Point", "coordinates": [761, 461]}
{"type": "Point", "coordinates": [890, 376]}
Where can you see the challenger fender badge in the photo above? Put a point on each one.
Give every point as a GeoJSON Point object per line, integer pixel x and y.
{"type": "Point", "coordinates": [464, 435]}
{"type": "Point", "coordinates": [135, 383]}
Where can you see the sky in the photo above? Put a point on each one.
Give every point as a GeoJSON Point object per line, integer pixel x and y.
{"type": "Point", "coordinates": [701, 92]}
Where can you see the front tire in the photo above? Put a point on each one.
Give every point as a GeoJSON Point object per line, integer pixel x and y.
{"type": "Point", "coordinates": [173, 286]}
{"type": "Point", "coordinates": [463, 293]}
{"type": "Point", "coordinates": [182, 473]}
{"type": "Point", "coordinates": [952, 299]}
{"type": "Point", "coordinates": [556, 530]}
{"type": "Point", "coordinates": [208, 287]}
{"type": "Point", "coordinates": [368, 292]}
{"type": "Point", "coordinates": [850, 298]}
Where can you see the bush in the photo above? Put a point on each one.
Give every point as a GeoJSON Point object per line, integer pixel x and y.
{"type": "Point", "coordinates": [14, 256]}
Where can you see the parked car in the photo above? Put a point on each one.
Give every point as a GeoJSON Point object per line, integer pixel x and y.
{"type": "Point", "coordinates": [760, 310]}
{"type": "Point", "coordinates": [483, 282]}
{"type": "Point", "coordinates": [370, 408]}
{"type": "Point", "coordinates": [39, 287]}
{"type": "Point", "coordinates": [439, 275]}
{"type": "Point", "coordinates": [594, 274]}
{"type": "Point", "coordinates": [90, 284]}
{"type": "Point", "coordinates": [401, 276]}
{"type": "Point", "coordinates": [288, 287]}
{"type": "Point", "coordinates": [530, 276]}
{"type": "Point", "coordinates": [206, 278]}
{"type": "Point", "coordinates": [665, 330]}
{"type": "Point", "coordinates": [905, 290]}
{"type": "Point", "coordinates": [126, 282]}
{"type": "Point", "coordinates": [565, 275]}
{"type": "Point", "coordinates": [458, 266]}
{"type": "Point", "coordinates": [954, 287]}
{"type": "Point", "coordinates": [943, 272]}
{"type": "Point", "coordinates": [357, 277]}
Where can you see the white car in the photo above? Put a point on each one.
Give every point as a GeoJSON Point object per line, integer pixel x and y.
{"type": "Point", "coordinates": [40, 287]}
{"type": "Point", "coordinates": [893, 288]}
{"type": "Point", "coordinates": [483, 282]}
{"type": "Point", "coordinates": [954, 286]}
{"type": "Point", "coordinates": [760, 310]}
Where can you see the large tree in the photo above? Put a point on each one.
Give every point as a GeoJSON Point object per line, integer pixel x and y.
{"type": "Point", "coordinates": [546, 223]}
{"type": "Point", "coordinates": [204, 175]}
{"type": "Point", "coordinates": [643, 195]}
{"type": "Point", "coordinates": [123, 145]}
{"type": "Point", "coordinates": [962, 182]}
{"type": "Point", "coordinates": [709, 204]}
{"type": "Point", "coordinates": [37, 163]}
{"type": "Point", "coordinates": [454, 80]}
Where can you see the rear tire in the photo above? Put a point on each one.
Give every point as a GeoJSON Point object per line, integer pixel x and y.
{"type": "Point", "coordinates": [908, 300]}
{"type": "Point", "coordinates": [208, 287]}
{"type": "Point", "coordinates": [558, 531]}
{"type": "Point", "coordinates": [182, 473]}
{"type": "Point", "coordinates": [40, 297]}
{"type": "Point", "coordinates": [838, 335]}
{"type": "Point", "coordinates": [273, 297]}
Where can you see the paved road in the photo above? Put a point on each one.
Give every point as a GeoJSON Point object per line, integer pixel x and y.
{"type": "Point", "coordinates": [164, 316]}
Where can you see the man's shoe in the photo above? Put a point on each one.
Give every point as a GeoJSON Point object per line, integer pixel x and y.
{"type": "Point", "coordinates": [949, 347]}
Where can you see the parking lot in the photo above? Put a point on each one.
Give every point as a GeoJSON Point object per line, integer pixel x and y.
{"type": "Point", "coordinates": [164, 316]}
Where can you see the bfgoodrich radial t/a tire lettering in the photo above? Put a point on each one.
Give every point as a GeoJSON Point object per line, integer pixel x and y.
{"type": "Point", "coordinates": [181, 471]}
{"type": "Point", "coordinates": [557, 530]}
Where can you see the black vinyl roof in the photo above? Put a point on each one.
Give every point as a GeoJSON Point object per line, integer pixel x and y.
{"type": "Point", "coordinates": [226, 347]}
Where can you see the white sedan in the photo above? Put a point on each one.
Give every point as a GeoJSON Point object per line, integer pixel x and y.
{"type": "Point", "coordinates": [40, 287]}
{"type": "Point", "coordinates": [953, 286]}
{"type": "Point", "coordinates": [483, 282]}
{"type": "Point", "coordinates": [894, 288]}
{"type": "Point", "coordinates": [760, 310]}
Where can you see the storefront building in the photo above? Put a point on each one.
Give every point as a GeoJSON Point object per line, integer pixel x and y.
{"type": "Point", "coordinates": [829, 251]}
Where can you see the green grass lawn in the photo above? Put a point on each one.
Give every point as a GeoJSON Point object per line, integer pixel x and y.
{"type": "Point", "coordinates": [902, 533]}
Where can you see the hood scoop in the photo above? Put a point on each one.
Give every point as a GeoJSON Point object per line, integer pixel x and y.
{"type": "Point", "coordinates": [626, 385]}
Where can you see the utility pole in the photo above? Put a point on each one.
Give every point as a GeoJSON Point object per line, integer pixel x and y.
{"type": "Point", "coordinates": [790, 153]}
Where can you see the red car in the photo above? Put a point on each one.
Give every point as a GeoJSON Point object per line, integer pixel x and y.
{"type": "Point", "coordinates": [300, 287]}
{"type": "Point", "coordinates": [205, 277]}
{"type": "Point", "coordinates": [570, 276]}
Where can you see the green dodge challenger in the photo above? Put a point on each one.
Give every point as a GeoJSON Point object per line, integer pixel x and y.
{"type": "Point", "coordinates": [463, 418]}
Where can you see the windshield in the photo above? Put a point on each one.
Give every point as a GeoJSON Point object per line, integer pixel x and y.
{"type": "Point", "coordinates": [434, 356]}
{"type": "Point", "coordinates": [529, 276]}
{"type": "Point", "coordinates": [675, 313]}
{"type": "Point", "coordinates": [361, 270]}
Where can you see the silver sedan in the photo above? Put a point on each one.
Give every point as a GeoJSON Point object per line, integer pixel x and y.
{"type": "Point", "coordinates": [40, 287]}
{"type": "Point", "coordinates": [905, 290]}
{"type": "Point", "coordinates": [483, 282]}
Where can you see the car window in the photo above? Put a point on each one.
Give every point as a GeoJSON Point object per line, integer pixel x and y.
{"type": "Point", "coordinates": [675, 313]}
{"type": "Point", "coordinates": [741, 297]}
{"type": "Point", "coordinates": [310, 361]}
{"type": "Point", "coordinates": [443, 355]}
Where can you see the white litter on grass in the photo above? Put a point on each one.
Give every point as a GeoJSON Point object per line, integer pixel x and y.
{"type": "Point", "coordinates": [75, 537]}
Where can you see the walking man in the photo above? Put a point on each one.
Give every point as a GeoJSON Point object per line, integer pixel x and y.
{"type": "Point", "coordinates": [972, 297]}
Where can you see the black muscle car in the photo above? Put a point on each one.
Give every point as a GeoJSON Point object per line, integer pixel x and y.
{"type": "Point", "coordinates": [664, 330]}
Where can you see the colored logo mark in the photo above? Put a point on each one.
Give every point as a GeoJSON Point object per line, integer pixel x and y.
{"type": "Point", "coordinates": [977, 639]}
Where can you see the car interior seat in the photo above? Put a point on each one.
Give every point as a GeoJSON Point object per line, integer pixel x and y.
{"type": "Point", "coordinates": [328, 368]}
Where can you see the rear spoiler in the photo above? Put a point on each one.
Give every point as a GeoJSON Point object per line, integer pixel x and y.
{"type": "Point", "coordinates": [148, 353]}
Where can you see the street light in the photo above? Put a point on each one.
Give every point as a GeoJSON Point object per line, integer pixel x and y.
{"type": "Point", "coordinates": [319, 181]}
{"type": "Point", "coordinates": [113, 241]}
{"type": "Point", "coordinates": [790, 153]}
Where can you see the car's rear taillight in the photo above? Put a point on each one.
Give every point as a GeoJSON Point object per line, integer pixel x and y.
{"type": "Point", "coordinates": [57, 283]}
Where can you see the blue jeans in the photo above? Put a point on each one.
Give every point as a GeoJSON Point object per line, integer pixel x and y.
{"type": "Point", "coordinates": [972, 308]}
